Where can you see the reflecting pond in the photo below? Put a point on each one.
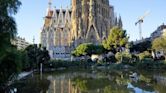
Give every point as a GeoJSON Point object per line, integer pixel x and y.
{"type": "Point", "coordinates": [93, 82]}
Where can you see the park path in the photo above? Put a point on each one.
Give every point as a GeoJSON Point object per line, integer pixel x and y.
{"type": "Point", "coordinates": [24, 74]}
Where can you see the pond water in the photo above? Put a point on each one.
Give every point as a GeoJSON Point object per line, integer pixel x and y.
{"type": "Point", "coordinates": [85, 81]}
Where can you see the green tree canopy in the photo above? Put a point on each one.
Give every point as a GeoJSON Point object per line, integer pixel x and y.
{"type": "Point", "coordinates": [9, 55]}
{"type": "Point", "coordinates": [117, 38]}
{"type": "Point", "coordinates": [7, 22]}
{"type": "Point", "coordinates": [88, 49]}
{"type": "Point", "coordinates": [142, 46]}
{"type": "Point", "coordinates": [159, 43]}
{"type": "Point", "coordinates": [36, 55]}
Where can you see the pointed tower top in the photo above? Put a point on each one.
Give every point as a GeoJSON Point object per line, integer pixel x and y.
{"type": "Point", "coordinates": [50, 4]}
{"type": "Point", "coordinates": [33, 39]}
{"type": "Point", "coordinates": [120, 24]}
{"type": "Point", "coordinates": [61, 7]}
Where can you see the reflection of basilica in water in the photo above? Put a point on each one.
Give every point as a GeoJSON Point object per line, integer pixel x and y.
{"type": "Point", "coordinates": [104, 83]}
{"type": "Point", "coordinates": [64, 84]}
{"type": "Point", "coordinates": [93, 82]}
{"type": "Point", "coordinates": [61, 86]}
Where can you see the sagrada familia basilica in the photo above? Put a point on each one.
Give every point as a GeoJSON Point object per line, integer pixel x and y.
{"type": "Point", "coordinates": [87, 21]}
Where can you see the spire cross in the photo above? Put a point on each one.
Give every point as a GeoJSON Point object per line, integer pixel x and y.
{"type": "Point", "coordinates": [50, 3]}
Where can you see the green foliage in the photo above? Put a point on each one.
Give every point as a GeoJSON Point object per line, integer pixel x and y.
{"type": "Point", "coordinates": [111, 59]}
{"type": "Point", "coordinates": [25, 62]}
{"type": "Point", "coordinates": [124, 56]}
{"type": "Point", "coordinates": [118, 89]}
{"type": "Point", "coordinates": [67, 64]}
{"type": "Point", "coordinates": [107, 89]}
{"type": "Point", "coordinates": [32, 51]}
{"type": "Point", "coordinates": [149, 63]}
{"type": "Point", "coordinates": [117, 38]}
{"type": "Point", "coordinates": [37, 55]}
{"type": "Point", "coordinates": [9, 56]}
{"type": "Point", "coordinates": [88, 49]}
{"type": "Point", "coordinates": [144, 55]}
{"type": "Point", "coordinates": [87, 84]}
{"type": "Point", "coordinates": [118, 56]}
{"type": "Point", "coordinates": [10, 66]}
{"type": "Point", "coordinates": [81, 50]}
{"type": "Point", "coordinates": [81, 84]}
{"type": "Point", "coordinates": [98, 49]}
{"type": "Point", "coordinates": [159, 43]}
{"type": "Point", "coordinates": [9, 7]}
{"type": "Point", "coordinates": [143, 78]}
{"type": "Point", "coordinates": [141, 47]}
{"type": "Point", "coordinates": [127, 56]}
{"type": "Point", "coordinates": [31, 85]}
{"type": "Point", "coordinates": [7, 22]}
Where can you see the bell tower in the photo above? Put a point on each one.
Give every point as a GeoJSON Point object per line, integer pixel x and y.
{"type": "Point", "coordinates": [76, 7]}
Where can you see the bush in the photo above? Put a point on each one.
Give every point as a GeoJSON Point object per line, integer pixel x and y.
{"type": "Point", "coordinates": [118, 56]}
{"type": "Point", "coordinates": [124, 56]}
{"type": "Point", "coordinates": [88, 49]}
{"type": "Point", "coordinates": [144, 55]}
{"type": "Point", "coordinates": [112, 59]}
{"type": "Point", "coordinates": [148, 63]}
{"type": "Point", "coordinates": [127, 57]}
{"type": "Point", "coordinates": [67, 64]}
{"type": "Point", "coordinates": [10, 66]}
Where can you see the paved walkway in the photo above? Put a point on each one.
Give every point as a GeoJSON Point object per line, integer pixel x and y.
{"type": "Point", "coordinates": [24, 74]}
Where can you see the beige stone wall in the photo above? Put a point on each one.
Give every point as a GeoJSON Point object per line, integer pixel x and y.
{"type": "Point", "coordinates": [92, 13]}
{"type": "Point", "coordinates": [56, 31]}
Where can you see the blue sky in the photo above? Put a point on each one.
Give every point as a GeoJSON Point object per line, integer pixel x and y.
{"type": "Point", "coordinates": [30, 17]}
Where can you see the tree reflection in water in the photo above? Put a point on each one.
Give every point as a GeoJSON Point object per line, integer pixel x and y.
{"type": "Point", "coordinates": [31, 85]}
{"type": "Point", "coordinates": [90, 82]}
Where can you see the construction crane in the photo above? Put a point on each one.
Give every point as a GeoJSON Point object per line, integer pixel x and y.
{"type": "Point", "coordinates": [140, 21]}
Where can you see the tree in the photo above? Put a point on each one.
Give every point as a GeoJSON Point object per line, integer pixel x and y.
{"type": "Point", "coordinates": [37, 55]}
{"type": "Point", "coordinates": [144, 55]}
{"type": "Point", "coordinates": [116, 39]}
{"type": "Point", "coordinates": [142, 46]}
{"type": "Point", "coordinates": [159, 43]}
{"type": "Point", "coordinates": [25, 62]}
{"type": "Point", "coordinates": [32, 51]}
{"type": "Point", "coordinates": [10, 66]}
{"type": "Point", "coordinates": [88, 49]}
{"type": "Point", "coordinates": [7, 22]}
{"type": "Point", "coordinates": [9, 56]}
{"type": "Point", "coordinates": [45, 55]}
{"type": "Point", "coordinates": [123, 56]}
{"type": "Point", "coordinates": [98, 49]}
{"type": "Point", "coordinates": [82, 50]}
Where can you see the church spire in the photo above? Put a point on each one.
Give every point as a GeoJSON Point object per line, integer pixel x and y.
{"type": "Point", "coordinates": [120, 24]}
{"type": "Point", "coordinates": [49, 7]}
{"type": "Point", "coordinates": [49, 4]}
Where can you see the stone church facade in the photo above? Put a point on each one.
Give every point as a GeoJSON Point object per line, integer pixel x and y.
{"type": "Point", "coordinates": [87, 21]}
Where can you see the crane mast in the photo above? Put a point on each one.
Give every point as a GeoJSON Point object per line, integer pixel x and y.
{"type": "Point", "coordinates": [139, 23]}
